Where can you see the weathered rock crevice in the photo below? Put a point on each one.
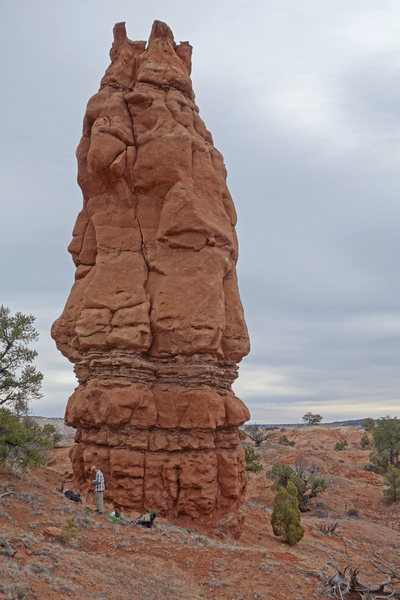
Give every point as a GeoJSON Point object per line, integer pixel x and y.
{"type": "Point", "coordinates": [154, 322]}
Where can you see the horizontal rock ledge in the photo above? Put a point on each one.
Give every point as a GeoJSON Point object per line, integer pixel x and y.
{"type": "Point", "coordinates": [115, 404]}
{"type": "Point", "coordinates": [193, 370]}
{"type": "Point", "coordinates": [156, 440]}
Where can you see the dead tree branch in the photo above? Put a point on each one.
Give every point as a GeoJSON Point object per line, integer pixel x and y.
{"type": "Point", "coordinates": [344, 584]}
{"type": "Point", "coordinates": [6, 494]}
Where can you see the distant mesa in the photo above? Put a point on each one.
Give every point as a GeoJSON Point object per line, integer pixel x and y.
{"type": "Point", "coordinates": [154, 322]}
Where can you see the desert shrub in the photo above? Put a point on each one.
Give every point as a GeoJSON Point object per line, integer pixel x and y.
{"type": "Point", "coordinates": [5, 547]}
{"type": "Point", "coordinates": [353, 512]}
{"type": "Point", "coordinates": [51, 432]}
{"type": "Point", "coordinates": [364, 442]}
{"type": "Point", "coordinates": [392, 481]}
{"type": "Point", "coordinates": [15, 592]}
{"type": "Point", "coordinates": [286, 516]}
{"type": "Point", "coordinates": [307, 484]}
{"type": "Point", "coordinates": [252, 459]}
{"type": "Point", "coordinates": [380, 460]}
{"type": "Point", "coordinates": [370, 467]}
{"type": "Point", "coordinates": [328, 527]}
{"type": "Point", "coordinates": [22, 441]}
{"type": "Point", "coordinates": [69, 531]}
{"type": "Point", "coordinates": [387, 442]}
{"type": "Point", "coordinates": [368, 424]}
{"type": "Point", "coordinates": [341, 445]}
{"type": "Point", "coordinates": [284, 440]}
{"type": "Point", "coordinates": [280, 474]}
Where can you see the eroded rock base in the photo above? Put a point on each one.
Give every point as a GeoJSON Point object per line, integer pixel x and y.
{"type": "Point", "coordinates": [165, 447]}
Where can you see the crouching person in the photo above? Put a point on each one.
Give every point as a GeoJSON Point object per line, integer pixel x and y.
{"type": "Point", "coordinates": [99, 488]}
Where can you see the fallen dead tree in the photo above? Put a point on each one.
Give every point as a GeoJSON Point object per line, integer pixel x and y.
{"type": "Point", "coordinates": [7, 494]}
{"type": "Point", "coordinates": [328, 527]}
{"type": "Point", "coordinates": [344, 583]}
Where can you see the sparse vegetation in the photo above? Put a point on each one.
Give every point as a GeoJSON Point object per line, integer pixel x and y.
{"type": "Point", "coordinates": [15, 592]}
{"type": "Point", "coordinates": [307, 484]}
{"type": "Point", "coordinates": [258, 435]}
{"type": "Point", "coordinates": [252, 459]}
{"type": "Point", "coordinates": [371, 467]}
{"type": "Point", "coordinates": [5, 547]}
{"type": "Point", "coordinates": [312, 418]}
{"type": "Point", "coordinates": [52, 569]}
{"type": "Point", "coordinates": [327, 526]}
{"type": "Point", "coordinates": [285, 441]}
{"type": "Point", "coordinates": [344, 584]}
{"type": "Point", "coordinates": [341, 445]}
{"type": "Point", "coordinates": [387, 443]}
{"type": "Point", "coordinates": [392, 481]}
{"type": "Point", "coordinates": [20, 381]}
{"type": "Point", "coordinates": [286, 515]}
{"type": "Point", "coordinates": [368, 424]}
{"type": "Point", "coordinates": [69, 531]}
{"type": "Point", "coordinates": [51, 432]}
{"type": "Point", "coordinates": [22, 441]}
{"type": "Point", "coordinates": [364, 442]}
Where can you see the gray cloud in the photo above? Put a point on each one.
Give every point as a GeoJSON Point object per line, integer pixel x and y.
{"type": "Point", "coordinates": [302, 100]}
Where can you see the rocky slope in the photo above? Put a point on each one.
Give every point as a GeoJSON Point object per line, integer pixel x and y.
{"type": "Point", "coordinates": [115, 562]}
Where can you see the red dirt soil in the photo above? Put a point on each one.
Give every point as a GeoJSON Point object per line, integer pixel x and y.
{"type": "Point", "coordinates": [110, 561]}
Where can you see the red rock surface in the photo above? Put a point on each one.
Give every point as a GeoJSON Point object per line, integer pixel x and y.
{"type": "Point", "coordinates": [154, 322]}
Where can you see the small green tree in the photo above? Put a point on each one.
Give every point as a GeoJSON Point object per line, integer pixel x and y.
{"type": "Point", "coordinates": [392, 481]}
{"type": "Point", "coordinates": [22, 441]}
{"type": "Point", "coordinates": [252, 459]}
{"type": "Point", "coordinates": [69, 531]}
{"type": "Point", "coordinates": [20, 381]}
{"type": "Point", "coordinates": [312, 418]}
{"type": "Point", "coordinates": [286, 516]}
{"type": "Point", "coordinates": [51, 432]}
{"type": "Point", "coordinates": [387, 442]}
{"type": "Point", "coordinates": [380, 460]}
{"type": "Point", "coordinates": [364, 442]}
{"type": "Point", "coordinates": [368, 424]}
{"type": "Point", "coordinates": [307, 484]}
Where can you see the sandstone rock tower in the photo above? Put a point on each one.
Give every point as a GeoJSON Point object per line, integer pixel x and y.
{"type": "Point", "coordinates": [154, 322]}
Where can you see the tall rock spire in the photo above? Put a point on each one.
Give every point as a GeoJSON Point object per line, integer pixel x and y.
{"type": "Point", "coordinates": [154, 322]}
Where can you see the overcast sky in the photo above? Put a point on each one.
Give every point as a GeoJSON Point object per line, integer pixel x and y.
{"type": "Point", "coordinates": [303, 101]}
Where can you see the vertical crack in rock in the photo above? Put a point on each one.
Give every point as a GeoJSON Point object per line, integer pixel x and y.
{"type": "Point", "coordinates": [154, 324]}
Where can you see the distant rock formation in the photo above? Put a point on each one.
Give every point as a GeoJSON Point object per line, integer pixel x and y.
{"type": "Point", "coordinates": [154, 322]}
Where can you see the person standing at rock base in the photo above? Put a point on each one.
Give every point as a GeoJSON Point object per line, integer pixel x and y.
{"type": "Point", "coordinates": [99, 488]}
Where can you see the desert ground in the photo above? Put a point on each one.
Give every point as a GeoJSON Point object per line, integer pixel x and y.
{"type": "Point", "coordinates": [113, 561]}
